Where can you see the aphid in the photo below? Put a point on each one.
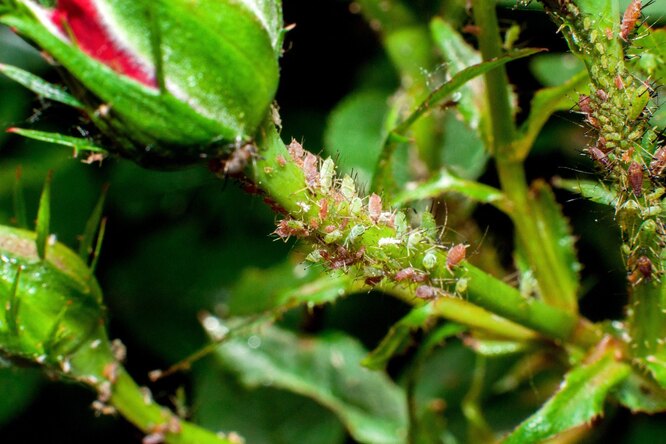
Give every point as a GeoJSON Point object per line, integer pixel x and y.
{"type": "Point", "coordinates": [356, 205]}
{"type": "Point", "coordinates": [609, 33]}
{"type": "Point", "coordinates": [326, 175]}
{"type": "Point", "coordinates": [290, 227]}
{"type": "Point", "coordinates": [644, 266]}
{"type": "Point", "coordinates": [426, 292]}
{"type": "Point", "coordinates": [414, 239]}
{"type": "Point", "coordinates": [343, 257]}
{"type": "Point", "coordinates": [461, 286]}
{"type": "Point", "coordinates": [373, 280]}
{"type": "Point", "coordinates": [310, 170]}
{"type": "Point", "coordinates": [348, 188]}
{"type": "Point", "coordinates": [119, 350]}
{"type": "Point", "coordinates": [333, 237]}
{"type": "Point", "coordinates": [296, 152]}
{"type": "Point", "coordinates": [584, 104]}
{"type": "Point", "coordinates": [373, 275]}
{"type": "Point", "coordinates": [658, 163]}
{"type": "Point", "coordinates": [102, 408]}
{"type": "Point", "coordinates": [429, 260]}
{"type": "Point", "coordinates": [354, 233]}
{"type": "Point", "coordinates": [323, 209]}
{"type": "Point", "coordinates": [400, 222]}
{"type": "Point", "coordinates": [281, 160]}
{"type": "Point", "coordinates": [602, 94]}
{"type": "Point", "coordinates": [410, 274]}
{"type": "Point", "coordinates": [601, 144]}
{"type": "Point", "coordinates": [103, 110]}
{"type": "Point", "coordinates": [631, 15]}
{"type": "Point", "coordinates": [635, 176]}
{"type": "Point", "coordinates": [110, 372]}
{"type": "Point", "coordinates": [314, 256]}
{"type": "Point", "coordinates": [388, 241]}
{"type": "Point", "coordinates": [374, 207]}
{"type": "Point", "coordinates": [239, 158]}
{"type": "Point", "coordinates": [456, 255]}
{"type": "Point", "coordinates": [93, 157]}
{"type": "Point", "coordinates": [598, 156]}
{"type": "Point", "coordinates": [619, 83]}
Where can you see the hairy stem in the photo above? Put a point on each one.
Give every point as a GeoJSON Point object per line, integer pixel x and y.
{"type": "Point", "coordinates": [547, 268]}
{"type": "Point", "coordinates": [382, 250]}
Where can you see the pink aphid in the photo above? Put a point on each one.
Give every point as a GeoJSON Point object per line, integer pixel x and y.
{"type": "Point", "coordinates": [375, 207]}
{"type": "Point", "coordinates": [635, 176]}
{"type": "Point", "coordinates": [456, 255]}
{"type": "Point", "coordinates": [631, 15]}
{"type": "Point", "coordinates": [427, 292]}
{"type": "Point", "coordinates": [410, 274]}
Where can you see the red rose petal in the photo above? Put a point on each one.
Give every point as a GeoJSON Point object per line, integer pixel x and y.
{"type": "Point", "coordinates": [81, 19]}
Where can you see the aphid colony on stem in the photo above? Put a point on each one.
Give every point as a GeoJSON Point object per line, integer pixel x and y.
{"type": "Point", "coordinates": [349, 231]}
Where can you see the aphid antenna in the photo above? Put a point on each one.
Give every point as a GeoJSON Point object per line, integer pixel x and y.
{"type": "Point", "coordinates": [576, 170]}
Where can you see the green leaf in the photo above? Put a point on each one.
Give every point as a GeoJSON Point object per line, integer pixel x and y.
{"type": "Point", "coordinates": [92, 227]}
{"type": "Point", "coordinates": [593, 190]}
{"type": "Point", "coordinates": [445, 182]}
{"type": "Point", "coordinates": [447, 88]}
{"type": "Point", "coordinates": [557, 241]}
{"type": "Point", "coordinates": [18, 387]}
{"type": "Point", "coordinates": [20, 212]}
{"type": "Point", "coordinates": [355, 132]}
{"type": "Point", "coordinates": [433, 100]}
{"type": "Point", "coordinates": [556, 69]}
{"type": "Point", "coordinates": [398, 337]}
{"type": "Point", "coordinates": [579, 400]}
{"type": "Point", "coordinates": [327, 370]}
{"type": "Point", "coordinates": [264, 415]}
{"type": "Point", "coordinates": [459, 55]}
{"type": "Point", "coordinates": [640, 393]}
{"type": "Point", "coordinates": [39, 86]}
{"type": "Point", "coordinates": [44, 217]}
{"type": "Point", "coordinates": [543, 105]}
{"type": "Point", "coordinates": [78, 143]}
{"type": "Point", "coordinates": [284, 286]}
{"type": "Point", "coordinates": [651, 52]}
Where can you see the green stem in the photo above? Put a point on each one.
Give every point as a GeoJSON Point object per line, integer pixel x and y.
{"type": "Point", "coordinates": [466, 313]}
{"type": "Point", "coordinates": [408, 45]}
{"type": "Point", "coordinates": [284, 182]}
{"type": "Point", "coordinates": [547, 268]}
{"type": "Point", "coordinates": [497, 82]}
{"type": "Point", "coordinates": [151, 418]}
{"type": "Point", "coordinates": [95, 366]}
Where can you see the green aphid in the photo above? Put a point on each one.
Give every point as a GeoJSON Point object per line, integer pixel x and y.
{"type": "Point", "coordinates": [355, 206]}
{"type": "Point", "coordinates": [413, 240]}
{"type": "Point", "coordinates": [429, 260]}
{"type": "Point", "coordinates": [314, 257]}
{"type": "Point", "coordinates": [348, 187]}
{"type": "Point", "coordinates": [400, 223]}
{"type": "Point", "coordinates": [326, 174]}
{"type": "Point", "coordinates": [333, 237]}
{"type": "Point", "coordinates": [355, 232]}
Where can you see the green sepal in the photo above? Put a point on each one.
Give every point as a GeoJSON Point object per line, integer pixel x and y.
{"type": "Point", "coordinates": [39, 86]}
{"type": "Point", "coordinates": [77, 143]}
{"type": "Point", "coordinates": [54, 302]}
{"type": "Point", "coordinates": [192, 116]}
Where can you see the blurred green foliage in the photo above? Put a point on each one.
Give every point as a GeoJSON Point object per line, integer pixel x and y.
{"type": "Point", "coordinates": [179, 244]}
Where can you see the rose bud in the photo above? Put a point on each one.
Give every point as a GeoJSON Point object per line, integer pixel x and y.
{"type": "Point", "coordinates": [51, 311]}
{"type": "Point", "coordinates": [168, 82]}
